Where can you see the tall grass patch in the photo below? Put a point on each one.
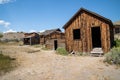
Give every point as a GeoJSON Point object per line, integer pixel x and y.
{"type": "Point", "coordinates": [61, 51]}
{"type": "Point", "coordinates": [113, 57]}
{"type": "Point", "coordinates": [6, 64]}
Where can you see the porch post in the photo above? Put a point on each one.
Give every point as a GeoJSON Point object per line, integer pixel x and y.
{"type": "Point", "coordinates": [30, 41]}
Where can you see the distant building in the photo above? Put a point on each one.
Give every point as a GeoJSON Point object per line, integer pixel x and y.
{"type": "Point", "coordinates": [116, 27]}
{"type": "Point", "coordinates": [52, 39]}
{"type": "Point", "coordinates": [31, 38]}
{"type": "Point", "coordinates": [117, 30]}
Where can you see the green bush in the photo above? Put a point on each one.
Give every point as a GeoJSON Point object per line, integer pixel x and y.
{"type": "Point", "coordinates": [1, 35]}
{"type": "Point", "coordinates": [117, 43]}
{"type": "Point", "coordinates": [5, 63]}
{"type": "Point", "coordinates": [62, 51]}
{"type": "Point", "coordinates": [113, 57]}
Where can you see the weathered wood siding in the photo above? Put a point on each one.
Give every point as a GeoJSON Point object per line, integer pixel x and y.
{"type": "Point", "coordinates": [50, 43]}
{"type": "Point", "coordinates": [48, 40]}
{"type": "Point", "coordinates": [31, 38]}
{"type": "Point", "coordinates": [42, 40]}
{"type": "Point", "coordinates": [84, 22]}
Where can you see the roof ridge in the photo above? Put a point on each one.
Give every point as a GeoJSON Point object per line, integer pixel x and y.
{"type": "Point", "coordinates": [88, 11]}
{"type": "Point", "coordinates": [46, 32]}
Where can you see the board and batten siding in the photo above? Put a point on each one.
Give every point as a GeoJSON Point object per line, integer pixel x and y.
{"type": "Point", "coordinates": [85, 21]}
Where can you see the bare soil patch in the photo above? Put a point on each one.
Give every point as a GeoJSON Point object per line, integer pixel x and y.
{"type": "Point", "coordinates": [37, 64]}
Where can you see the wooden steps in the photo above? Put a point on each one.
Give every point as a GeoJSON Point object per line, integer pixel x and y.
{"type": "Point", "coordinates": [96, 52]}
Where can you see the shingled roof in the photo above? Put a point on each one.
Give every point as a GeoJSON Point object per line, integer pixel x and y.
{"type": "Point", "coordinates": [87, 11]}
{"type": "Point", "coordinates": [47, 32]}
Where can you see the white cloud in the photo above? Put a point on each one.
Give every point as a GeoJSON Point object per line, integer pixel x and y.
{"type": "Point", "coordinates": [42, 31]}
{"type": "Point", "coordinates": [4, 23]}
{"type": "Point", "coordinates": [6, 1]}
{"type": "Point", "coordinates": [33, 31]}
{"type": "Point", "coordinates": [10, 30]}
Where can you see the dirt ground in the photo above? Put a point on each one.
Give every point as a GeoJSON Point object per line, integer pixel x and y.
{"type": "Point", "coordinates": [37, 64]}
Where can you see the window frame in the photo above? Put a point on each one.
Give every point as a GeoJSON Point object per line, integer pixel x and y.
{"type": "Point", "coordinates": [75, 35]}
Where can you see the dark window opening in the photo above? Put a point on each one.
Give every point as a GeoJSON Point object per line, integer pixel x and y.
{"type": "Point", "coordinates": [117, 30]}
{"type": "Point", "coordinates": [76, 34]}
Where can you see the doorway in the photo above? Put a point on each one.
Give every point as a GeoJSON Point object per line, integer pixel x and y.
{"type": "Point", "coordinates": [96, 37]}
{"type": "Point", "coordinates": [55, 44]}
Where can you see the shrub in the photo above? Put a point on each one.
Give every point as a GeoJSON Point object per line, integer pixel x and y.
{"type": "Point", "coordinates": [1, 35]}
{"type": "Point", "coordinates": [117, 43]}
{"type": "Point", "coordinates": [62, 51]}
{"type": "Point", "coordinates": [113, 57]}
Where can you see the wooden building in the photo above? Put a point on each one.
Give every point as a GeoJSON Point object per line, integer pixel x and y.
{"type": "Point", "coordinates": [52, 39]}
{"type": "Point", "coordinates": [117, 30]}
{"type": "Point", "coordinates": [116, 27]}
{"type": "Point", "coordinates": [31, 38]}
{"type": "Point", "coordinates": [87, 30]}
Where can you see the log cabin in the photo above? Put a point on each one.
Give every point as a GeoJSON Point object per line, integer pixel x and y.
{"type": "Point", "coordinates": [31, 38]}
{"type": "Point", "coordinates": [87, 30]}
{"type": "Point", "coordinates": [52, 39]}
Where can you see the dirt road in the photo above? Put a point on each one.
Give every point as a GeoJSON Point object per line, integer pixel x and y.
{"type": "Point", "coordinates": [46, 65]}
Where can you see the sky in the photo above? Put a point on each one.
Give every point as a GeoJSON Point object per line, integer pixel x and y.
{"type": "Point", "coordinates": [40, 15]}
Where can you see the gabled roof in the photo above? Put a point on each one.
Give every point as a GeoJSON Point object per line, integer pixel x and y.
{"type": "Point", "coordinates": [28, 35]}
{"type": "Point", "coordinates": [87, 11]}
{"type": "Point", "coordinates": [116, 23]}
{"type": "Point", "coordinates": [47, 32]}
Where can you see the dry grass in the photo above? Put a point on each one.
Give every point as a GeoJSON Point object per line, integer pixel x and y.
{"type": "Point", "coordinates": [6, 63]}
{"type": "Point", "coordinates": [46, 65]}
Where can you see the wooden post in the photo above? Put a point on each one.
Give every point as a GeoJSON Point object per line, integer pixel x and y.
{"type": "Point", "coordinates": [30, 41]}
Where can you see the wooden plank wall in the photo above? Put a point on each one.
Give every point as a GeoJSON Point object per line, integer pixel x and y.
{"type": "Point", "coordinates": [84, 22]}
{"type": "Point", "coordinates": [55, 36]}
{"type": "Point", "coordinates": [49, 40]}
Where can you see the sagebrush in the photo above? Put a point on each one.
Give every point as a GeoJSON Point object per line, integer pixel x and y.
{"type": "Point", "coordinates": [117, 43]}
{"type": "Point", "coordinates": [113, 57]}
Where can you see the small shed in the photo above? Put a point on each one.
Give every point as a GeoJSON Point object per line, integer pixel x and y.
{"type": "Point", "coordinates": [31, 38]}
{"type": "Point", "coordinates": [87, 30]}
{"type": "Point", "coordinates": [52, 39]}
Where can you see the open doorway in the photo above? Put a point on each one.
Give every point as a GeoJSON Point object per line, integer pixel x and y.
{"type": "Point", "coordinates": [26, 41]}
{"type": "Point", "coordinates": [96, 37]}
{"type": "Point", "coordinates": [55, 44]}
